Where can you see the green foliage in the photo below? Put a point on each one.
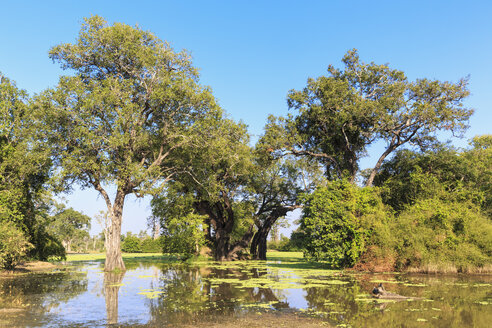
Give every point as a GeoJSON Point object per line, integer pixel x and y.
{"type": "Point", "coordinates": [338, 221]}
{"type": "Point", "coordinates": [122, 115]}
{"type": "Point", "coordinates": [341, 114]}
{"type": "Point", "coordinates": [184, 236]}
{"type": "Point", "coordinates": [442, 172]}
{"type": "Point", "coordinates": [131, 244]}
{"type": "Point", "coordinates": [434, 231]}
{"type": "Point", "coordinates": [183, 230]}
{"type": "Point", "coordinates": [13, 245]}
{"type": "Point", "coordinates": [136, 102]}
{"type": "Point", "coordinates": [297, 240]}
{"type": "Point", "coordinates": [442, 201]}
{"type": "Point", "coordinates": [71, 227]}
{"type": "Point", "coordinates": [150, 245]}
{"type": "Point", "coordinates": [281, 245]}
{"type": "Point", "coordinates": [24, 172]}
{"type": "Point", "coordinates": [213, 187]}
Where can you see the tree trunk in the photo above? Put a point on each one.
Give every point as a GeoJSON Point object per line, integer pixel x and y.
{"type": "Point", "coordinates": [221, 245]}
{"type": "Point", "coordinates": [258, 247]}
{"type": "Point", "coordinates": [114, 260]}
{"type": "Point", "coordinates": [253, 249]}
{"type": "Point", "coordinates": [376, 168]}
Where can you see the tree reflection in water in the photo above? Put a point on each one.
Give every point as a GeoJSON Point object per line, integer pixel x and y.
{"type": "Point", "coordinates": [112, 284]}
{"type": "Point", "coordinates": [189, 297]}
{"type": "Point", "coordinates": [30, 298]}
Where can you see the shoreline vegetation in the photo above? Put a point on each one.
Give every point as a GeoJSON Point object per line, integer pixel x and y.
{"type": "Point", "coordinates": [142, 123]}
{"type": "Point", "coordinates": [272, 256]}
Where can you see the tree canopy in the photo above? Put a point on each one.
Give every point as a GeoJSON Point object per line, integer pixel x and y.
{"type": "Point", "coordinates": [130, 104]}
{"type": "Point", "coordinates": [341, 114]}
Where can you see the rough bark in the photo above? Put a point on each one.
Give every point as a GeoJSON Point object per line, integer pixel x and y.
{"type": "Point", "coordinates": [258, 247]}
{"type": "Point", "coordinates": [221, 245]}
{"type": "Point", "coordinates": [114, 260]}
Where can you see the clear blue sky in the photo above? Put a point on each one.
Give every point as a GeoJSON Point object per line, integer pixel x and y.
{"type": "Point", "coordinates": [252, 52]}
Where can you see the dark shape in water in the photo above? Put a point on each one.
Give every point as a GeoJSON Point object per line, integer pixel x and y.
{"type": "Point", "coordinates": [380, 292]}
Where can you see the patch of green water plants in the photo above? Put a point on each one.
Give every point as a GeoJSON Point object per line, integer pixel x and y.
{"type": "Point", "coordinates": [379, 281]}
{"type": "Point", "coordinates": [115, 285]}
{"type": "Point", "coordinates": [267, 305]}
{"type": "Point", "coordinates": [414, 285]}
{"type": "Point", "coordinates": [150, 293]}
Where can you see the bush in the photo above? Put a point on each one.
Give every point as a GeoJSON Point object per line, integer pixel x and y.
{"type": "Point", "coordinates": [338, 220]}
{"type": "Point", "coordinates": [184, 236]}
{"type": "Point", "coordinates": [13, 245]}
{"type": "Point", "coordinates": [131, 244]}
{"type": "Point", "coordinates": [150, 245]}
{"type": "Point", "coordinates": [282, 245]}
{"type": "Point", "coordinates": [436, 232]}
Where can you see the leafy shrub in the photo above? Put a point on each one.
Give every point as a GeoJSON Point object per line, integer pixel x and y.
{"type": "Point", "coordinates": [184, 236]}
{"type": "Point", "coordinates": [433, 231]}
{"type": "Point", "coordinates": [150, 245]}
{"type": "Point", "coordinates": [131, 244]}
{"type": "Point", "coordinates": [281, 245]}
{"type": "Point", "coordinates": [338, 220]}
{"type": "Point", "coordinates": [13, 245]}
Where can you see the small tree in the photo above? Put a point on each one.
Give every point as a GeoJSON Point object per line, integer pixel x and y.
{"type": "Point", "coordinates": [13, 245]}
{"type": "Point", "coordinates": [184, 236]}
{"type": "Point", "coordinates": [70, 226]}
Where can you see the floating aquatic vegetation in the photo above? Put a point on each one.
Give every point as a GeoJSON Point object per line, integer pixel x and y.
{"type": "Point", "coordinates": [151, 294]}
{"type": "Point", "coordinates": [379, 281]}
{"type": "Point", "coordinates": [414, 285]}
{"type": "Point", "coordinates": [267, 305]}
{"type": "Point", "coordinates": [115, 285]}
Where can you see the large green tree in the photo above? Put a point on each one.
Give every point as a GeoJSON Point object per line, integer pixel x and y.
{"type": "Point", "coordinates": [24, 172]}
{"type": "Point", "coordinates": [460, 175]}
{"type": "Point", "coordinates": [214, 187]}
{"type": "Point", "coordinates": [273, 191]}
{"type": "Point", "coordinates": [240, 191]}
{"type": "Point", "coordinates": [341, 114]}
{"type": "Point", "coordinates": [116, 124]}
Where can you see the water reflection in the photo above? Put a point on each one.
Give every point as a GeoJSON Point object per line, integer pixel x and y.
{"type": "Point", "coordinates": [175, 294]}
{"type": "Point", "coordinates": [112, 284]}
{"type": "Point", "coordinates": [29, 299]}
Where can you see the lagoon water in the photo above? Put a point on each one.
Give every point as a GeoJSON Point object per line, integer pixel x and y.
{"type": "Point", "coordinates": [153, 293]}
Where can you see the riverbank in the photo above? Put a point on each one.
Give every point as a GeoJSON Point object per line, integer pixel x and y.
{"type": "Point", "coordinates": [294, 258]}
{"type": "Point", "coordinates": [29, 267]}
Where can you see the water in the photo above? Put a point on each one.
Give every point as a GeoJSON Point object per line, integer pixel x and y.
{"type": "Point", "coordinates": [257, 294]}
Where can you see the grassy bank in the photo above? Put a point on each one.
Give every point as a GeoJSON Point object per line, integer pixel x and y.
{"type": "Point", "coordinates": [271, 255]}
{"type": "Point", "coordinates": [291, 258]}
{"type": "Point", "coordinates": [102, 256]}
